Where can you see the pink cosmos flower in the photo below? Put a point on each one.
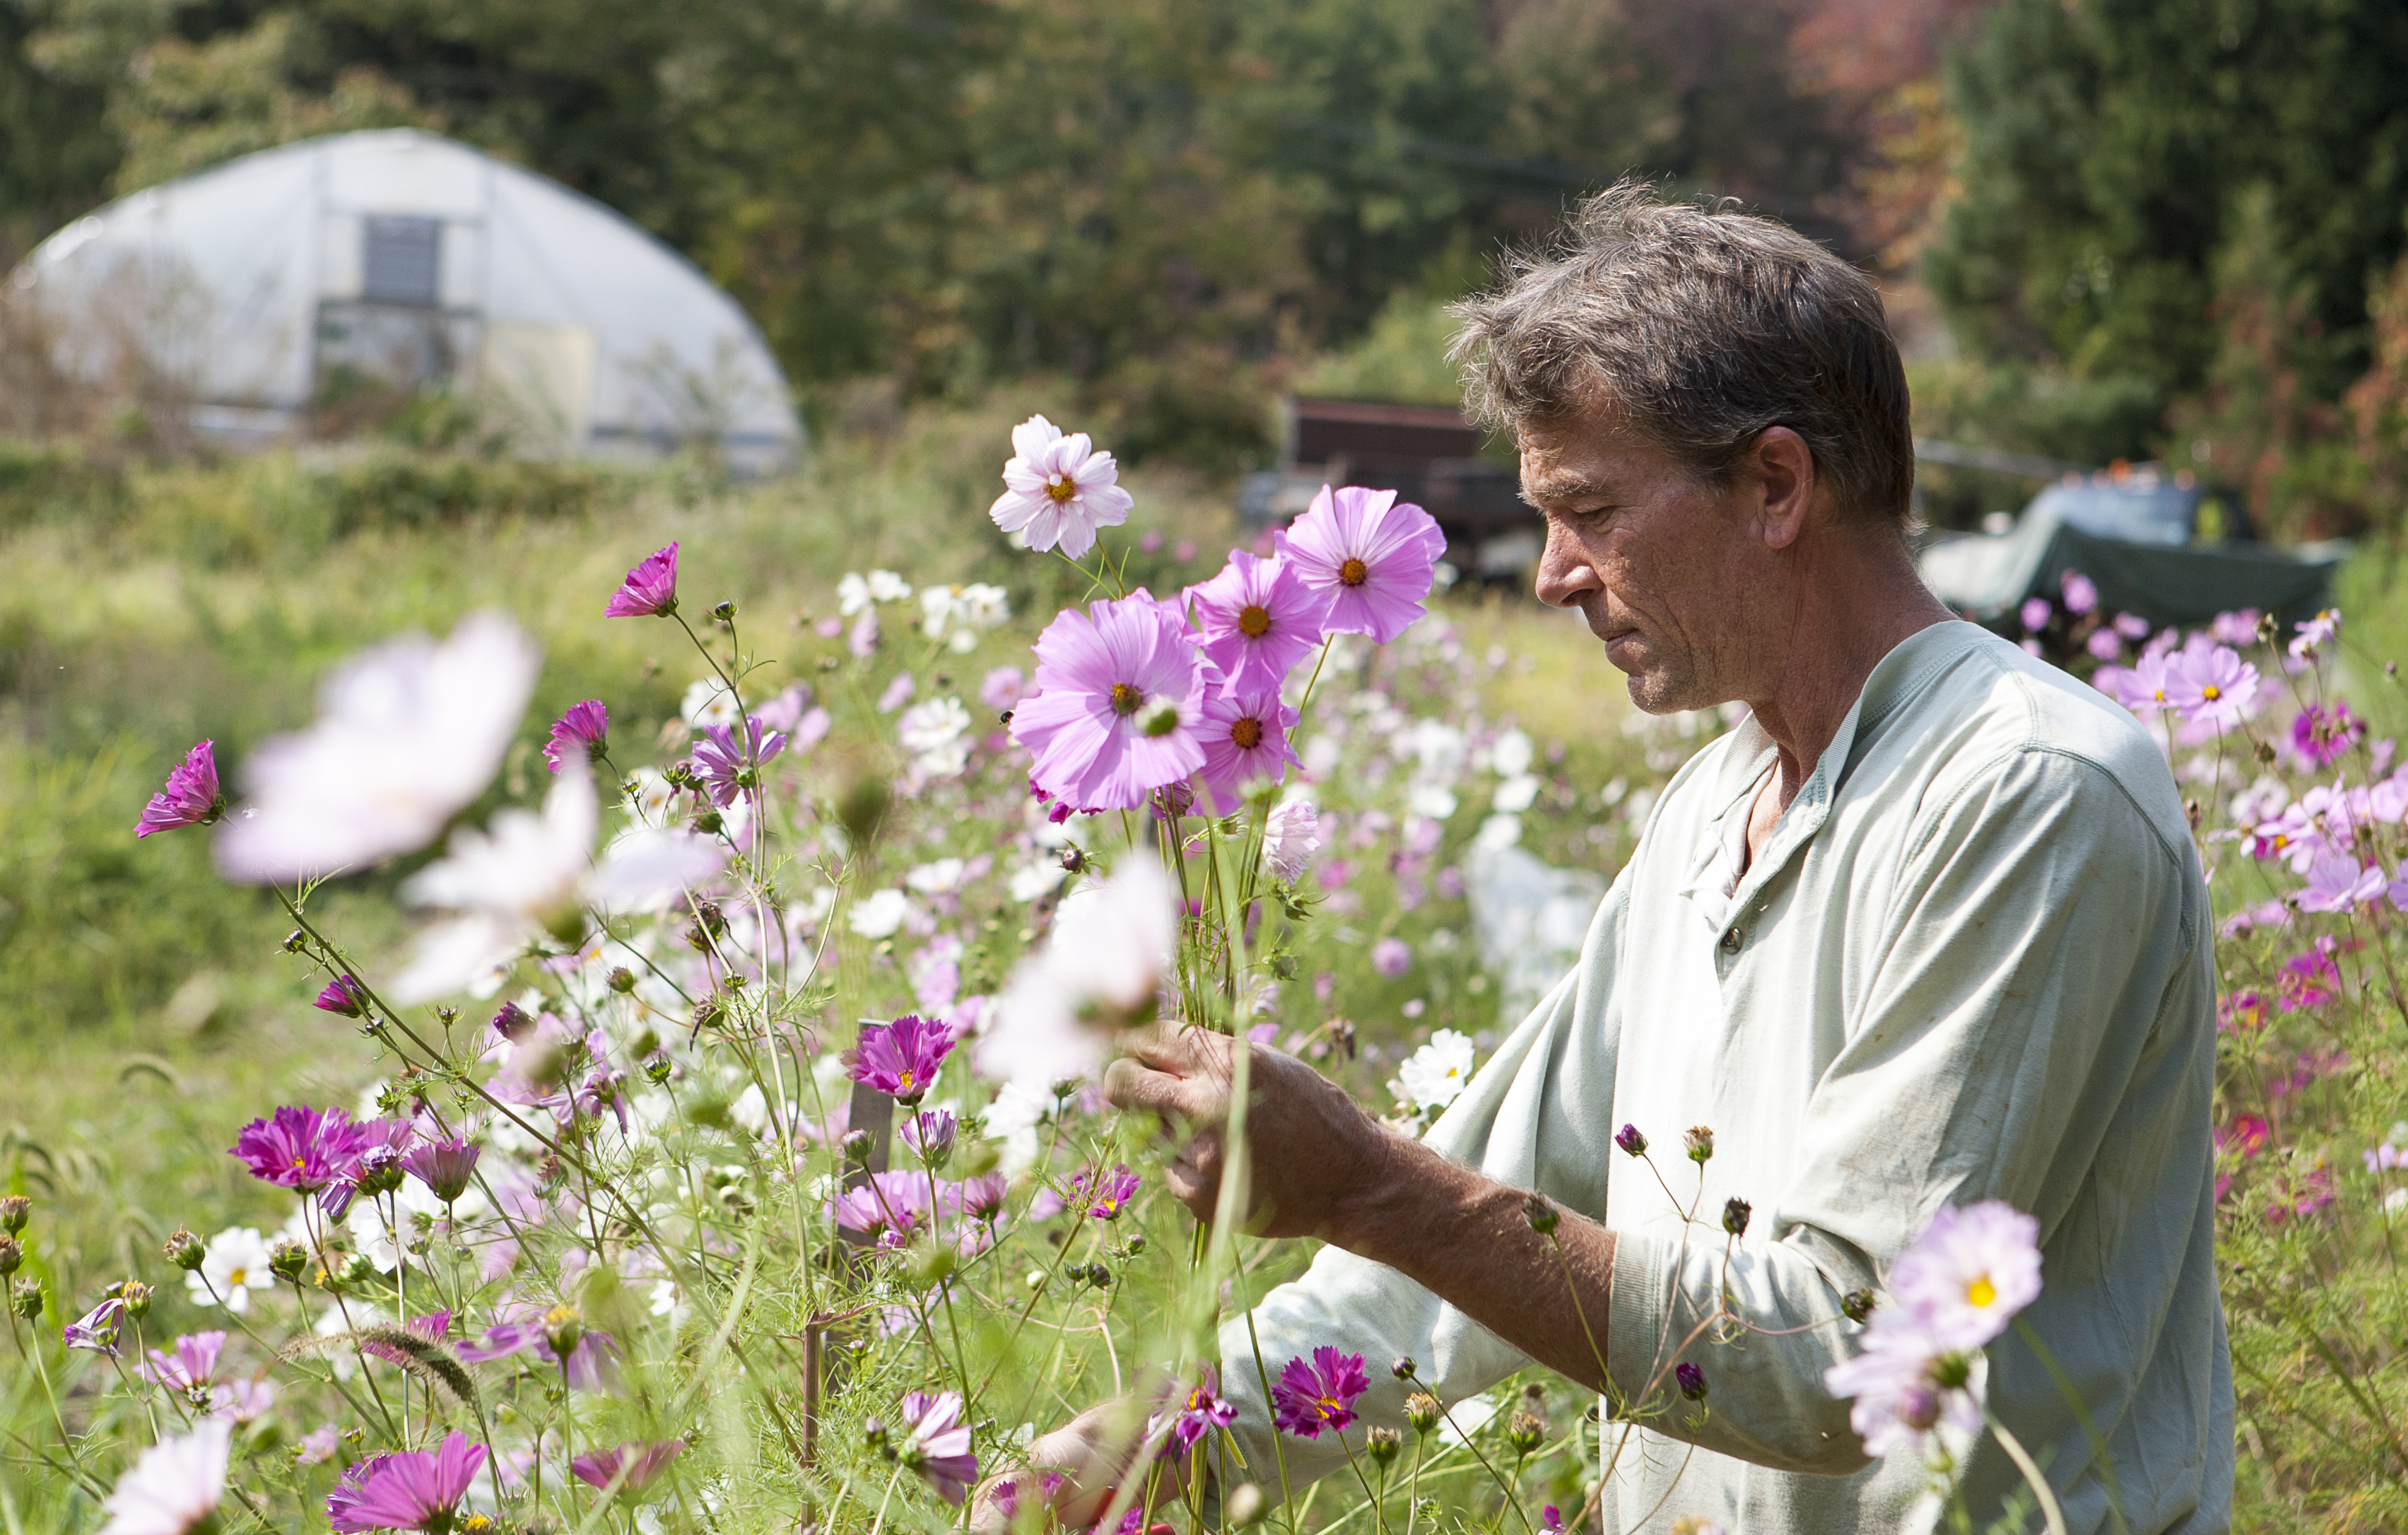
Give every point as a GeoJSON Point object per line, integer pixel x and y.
{"type": "Point", "coordinates": [410, 1489]}
{"type": "Point", "coordinates": [305, 1149]}
{"type": "Point", "coordinates": [2133, 626]}
{"type": "Point", "coordinates": [2144, 688]}
{"type": "Point", "coordinates": [901, 1058]}
{"type": "Point", "coordinates": [2104, 643]}
{"type": "Point", "coordinates": [1392, 958]}
{"type": "Point", "coordinates": [2235, 628]}
{"type": "Point", "coordinates": [1059, 489]}
{"type": "Point", "coordinates": [1309, 1398]}
{"type": "Point", "coordinates": [191, 799]}
{"type": "Point", "coordinates": [592, 1363]}
{"type": "Point", "coordinates": [888, 1202]}
{"type": "Point", "coordinates": [344, 996]}
{"type": "Point", "coordinates": [1371, 558]}
{"type": "Point", "coordinates": [2322, 734]}
{"type": "Point", "coordinates": [1106, 1194]}
{"type": "Point", "coordinates": [2307, 979]}
{"type": "Point", "coordinates": [175, 1486]}
{"type": "Point", "coordinates": [2213, 687]}
{"type": "Point", "coordinates": [1255, 620]}
{"type": "Point", "coordinates": [2338, 882]}
{"type": "Point", "coordinates": [1119, 699]}
{"type": "Point", "coordinates": [445, 1166]}
{"type": "Point", "coordinates": [730, 765]}
{"type": "Point", "coordinates": [1897, 1401]}
{"type": "Point", "coordinates": [1002, 688]}
{"type": "Point", "coordinates": [189, 1369]}
{"type": "Point", "coordinates": [650, 590]}
{"type": "Point", "coordinates": [2036, 612]}
{"type": "Point", "coordinates": [2081, 593]}
{"type": "Point", "coordinates": [930, 1135]}
{"type": "Point", "coordinates": [2316, 632]}
{"type": "Point", "coordinates": [585, 728]}
{"type": "Point", "coordinates": [1201, 1411]}
{"type": "Point", "coordinates": [937, 1444]}
{"type": "Point", "coordinates": [981, 1197]}
{"type": "Point", "coordinates": [1291, 834]}
{"type": "Point", "coordinates": [245, 1400]}
{"type": "Point", "coordinates": [99, 1328]}
{"type": "Point", "coordinates": [1974, 1266]}
{"type": "Point", "coordinates": [643, 1460]}
{"type": "Point", "coordinates": [1245, 736]}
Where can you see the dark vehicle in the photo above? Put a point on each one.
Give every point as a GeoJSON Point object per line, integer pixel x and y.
{"type": "Point", "coordinates": [1427, 454]}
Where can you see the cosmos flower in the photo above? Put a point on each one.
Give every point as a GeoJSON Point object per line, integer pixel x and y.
{"type": "Point", "coordinates": [887, 1202]}
{"type": "Point", "coordinates": [2081, 593]}
{"type": "Point", "coordinates": [191, 799]}
{"type": "Point", "coordinates": [937, 1444]}
{"type": "Point", "coordinates": [650, 590]}
{"type": "Point", "coordinates": [1100, 970]}
{"type": "Point", "coordinates": [1256, 620]}
{"type": "Point", "coordinates": [1897, 1400]}
{"type": "Point", "coordinates": [643, 1460]}
{"type": "Point", "coordinates": [1106, 1194]}
{"type": "Point", "coordinates": [729, 764]}
{"type": "Point", "coordinates": [306, 1149]}
{"type": "Point", "coordinates": [344, 996]}
{"type": "Point", "coordinates": [245, 1400]}
{"type": "Point", "coordinates": [1309, 1398]}
{"type": "Point", "coordinates": [591, 1364]}
{"type": "Point", "coordinates": [857, 595]}
{"type": "Point", "coordinates": [1245, 738]}
{"type": "Point", "coordinates": [1198, 1415]}
{"type": "Point", "coordinates": [99, 1328]}
{"type": "Point", "coordinates": [233, 1265]}
{"type": "Point", "coordinates": [407, 733]}
{"type": "Point", "coordinates": [1291, 835]}
{"type": "Point", "coordinates": [1119, 704]}
{"type": "Point", "coordinates": [2036, 612]}
{"type": "Point", "coordinates": [1368, 557]}
{"type": "Point", "coordinates": [900, 1059]}
{"type": "Point", "coordinates": [2338, 882]}
{"type": "Point", "coordinates": [2321, 734]}
{"type": "Point", "coordinates": [2316, 632]}
{"type": "Point", "coordinates": [585, 730]}
{"type": "Point", "coordinates": [445, 1166]}
{"type": "Point", "coordinates": [1970, 1272]}
{"type": "Point", "coordinates": [1433, 1076]}
{"type": "Point", "coordinates": [930, 1135]}
{"type": "Point", "coordinates": [175, 1485]}
{"type": "Point", "coordinates": [981, 1197]}
{"type": "Point", "coordinates": [410, 1489]}
{"type": "Point", "coordinates": [2214, 686]}
{"type": "Point", "coordinates": [936, 734]}
{"type": "Point", "coordinates": [1058, 490]}
{"type": "Point", "coordinates": [1392, 958]}
{"type": "Point", "coordinates": [191, 1365]}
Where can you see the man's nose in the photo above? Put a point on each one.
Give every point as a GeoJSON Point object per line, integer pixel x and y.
{"type": "Point", "coordinates": [1565, 574]}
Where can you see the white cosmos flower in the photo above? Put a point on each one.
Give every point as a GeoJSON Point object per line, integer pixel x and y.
{"type": "Point", "coordinates": [854, 594]}
{"type": "Point", "coordinates": [969, 610]}
{"type": "Point", "coordinates": [932, 732]}
{"type": "Point", "coordinates": [407, 733]}
{"type": "Point", "coordinates": [935, 879]}
{"type": "Point", "coordinates": [707, 703]}
{"type": "Point", "coordinates": [383, 1241]}
{"type": "Point", "coordinates": [1100, 968]}
{"type": "Point", "coordinates": [1033, 880]}
{"type": "Point", "coordinates": [880, 914]}
{"type": "Point", "coordinates": [235, 1264]}
{"type": "Point", "coordinates": [1433, 1076]}
{"type": "Point", "coordinates": [654, 799]}
{"type": "Point", "coordinates": [1059, 489]}
{"type": "Point", "coordinates": [175, 1487]}
{"type": "Point", "coordinates": [525, 872]}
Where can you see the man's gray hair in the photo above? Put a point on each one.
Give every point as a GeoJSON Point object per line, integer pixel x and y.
{"type": "Point", "coordinates": [1697, 328]}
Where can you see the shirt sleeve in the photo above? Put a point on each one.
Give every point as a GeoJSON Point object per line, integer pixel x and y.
{"type": "Point", "coordinates": [1528, 1117]}
{"type": "Point", "coordinates": [2035, 930]}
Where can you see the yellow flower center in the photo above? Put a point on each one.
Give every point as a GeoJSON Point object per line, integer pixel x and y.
{"type": "Point", "coordinates": [1255, 621]}
{"type": "Point", "coordinates": [1982, 1292]}
{"type": "Point", "coordinates": [1247, 734]}
{"type": "Point", "coordinates": [1125, 699]}
{"type": "Point", "coordinates": [903, 1078]}
{"type": "Point", "coordinates": [2211, 693]}
{"type": "Point", "coordinates": [1353, 573]}
{"type": "Point", "coordinates": [236, 1276]}
{"type": "Point", "coordinates": [1061, 487]}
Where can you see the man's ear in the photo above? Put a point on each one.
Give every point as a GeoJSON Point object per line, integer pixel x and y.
{"type": "Point", "coordinates": [1781, 467]}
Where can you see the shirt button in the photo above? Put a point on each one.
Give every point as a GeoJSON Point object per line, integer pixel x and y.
{"type": "Point", "coordinates": [1732, 940]}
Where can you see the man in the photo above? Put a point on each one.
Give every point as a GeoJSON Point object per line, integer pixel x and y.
{"type": "Point", "coordinates": [1928, 928]}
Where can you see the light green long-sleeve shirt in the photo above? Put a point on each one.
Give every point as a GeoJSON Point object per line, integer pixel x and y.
{"type": "Point", "coordinates": [1973, 962]}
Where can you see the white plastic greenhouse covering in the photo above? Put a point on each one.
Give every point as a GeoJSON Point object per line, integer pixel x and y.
{"type": "Point", "coordinates": [263, 285]}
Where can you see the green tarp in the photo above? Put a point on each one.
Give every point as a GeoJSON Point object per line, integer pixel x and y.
{"type": "Point", "coordinates": [1988, 578]}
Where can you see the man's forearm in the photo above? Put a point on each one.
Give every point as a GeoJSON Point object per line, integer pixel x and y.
{"type": "Point", "coordinates": [1468, 1240]}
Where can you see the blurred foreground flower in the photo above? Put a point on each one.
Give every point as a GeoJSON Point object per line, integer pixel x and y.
{"type": "Point", "coordinates": [641, 1461]}
{"type": "Point", "coordinates": [1291, 836]}
{"type": "Point", "coordinates": [191, 799]}
{"type": "Point", "coordinates": [1059, 489]}
{"type": "Point", "coordinates": [937, 1444]}
{"type": "Point", "coordinates": [408, 735]}
{"type": "Point", "coordinates": [175, 1487]}
{"type": "Point", "coordinates": [1099, 973]}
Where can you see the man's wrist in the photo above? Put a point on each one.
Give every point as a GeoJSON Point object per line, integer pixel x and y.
{"type": "Point", "coordinates": [1375, 1214]}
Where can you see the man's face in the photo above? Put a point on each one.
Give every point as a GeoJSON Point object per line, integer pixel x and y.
{"type": "Point", "coordinates": [1663, 566]}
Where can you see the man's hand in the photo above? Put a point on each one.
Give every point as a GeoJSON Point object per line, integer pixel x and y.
{"type": "Point", "coordinates": [1316, 1159]}
{"type": "Point", "coordinates": [1090, 1451]}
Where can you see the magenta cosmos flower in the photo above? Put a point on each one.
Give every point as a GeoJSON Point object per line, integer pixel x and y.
{"type": "Point", "coordinates": [445, 1166]}
{"type": "Point", "coordinates": [901, 1058]}
{"type": "Point", "coordinates": [728, 764]}
{"type": "Point", "coordinates": [643, 1460]}
{"type": "Point", "coordinates": [411, 1489]}
{"type": "Point", "coordinates": [307, 1148]}
{"type": "Point", "coordinates": [1245, 741]}
{"type": "Point", "coordinates": [1309, 1398]}
{"type": "Point", "coordinates": [344, 996]}
{"type": "Point", "coordinates": [1058, 490]}
{"type": "Point", "coordinates": [650, 590]}
{"type": "Point", "coordinates": [191, 799]}
{"type": "Point", "coordinates": [1255, 620]}
{"type": "Point", "coordinates": [1120, 696]}
{"type": "Point", "coordinates": [937, 1444]}
{"type": "Point", "coordinates": [1107, 1193]}
{"type": "Point", "coordinates": [1369, 558]}
{"type": "Point", "coordinates": [583, 732]}
{"type": "Point", "coordinates": [1202, 1411]}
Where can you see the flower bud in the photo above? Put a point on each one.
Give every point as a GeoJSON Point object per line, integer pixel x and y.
{"type": "Point", "coordinates": [380, 1172]}
{"type": "Point", "coordinates": [873, 1433]}
{"type": "Point", "coordinates": [1403, 1368]}
{"type": "Point", "coordinates": [1383, 1445]}
{"type": "Point", "coordinates": [1691, 1380]}
{"type": "Point", "coordinates": [294, 941]}
{"type": "Point", "coordinates": [1157, 717]}
{"type": "Point", "coordinates": [622, 980]}
{"type": "Point", "coordinates": [25, 1296]}
{"type": "Point", "coordinates": [1525, 1433]}
{"type": "Point", "coordinates": [1735, 1214]}
{"type": "Point", "coordinates": [1099, 1276]}
{"type": "Point", "coordinates": [563, 1326]}
{"type": "Point", "coordinates": [1422, 1411]}
{"type": "Point", "coordinates": [1541, 1213]}
{"type": "Point", "coordinates": [1074, 860]}
{"type": "Point", "coordinates": [1035, 1279]}
{"type": "Point", "coordinates": [1699, 1143]}
{"type": "Point", "coordinates": [1856, 1305]}
{"type": "Point", "coordinates": [856, 1146]}
{"type": "Point", "coordinates": [1629, 1139]}
{"type": "Point", "coordinates": [137, 1297]}
{"type": "Point", "coordinates": [724, 611]}
{"type": "Point", "coordinates": [1952, 1371]}
{"type": "Point", "coordinates": [657, 1068]}
{"type": "Point", "coordinates": [357, 1270]}
{"type": "Point", "coordinates": [709, 1012]}
{"type": "Point", "coordinates": [14, 1210]}
{"type": "Point", "coordinates": [12, 1254]}
{"type": "Point", "coordinates": [286, 1260]}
